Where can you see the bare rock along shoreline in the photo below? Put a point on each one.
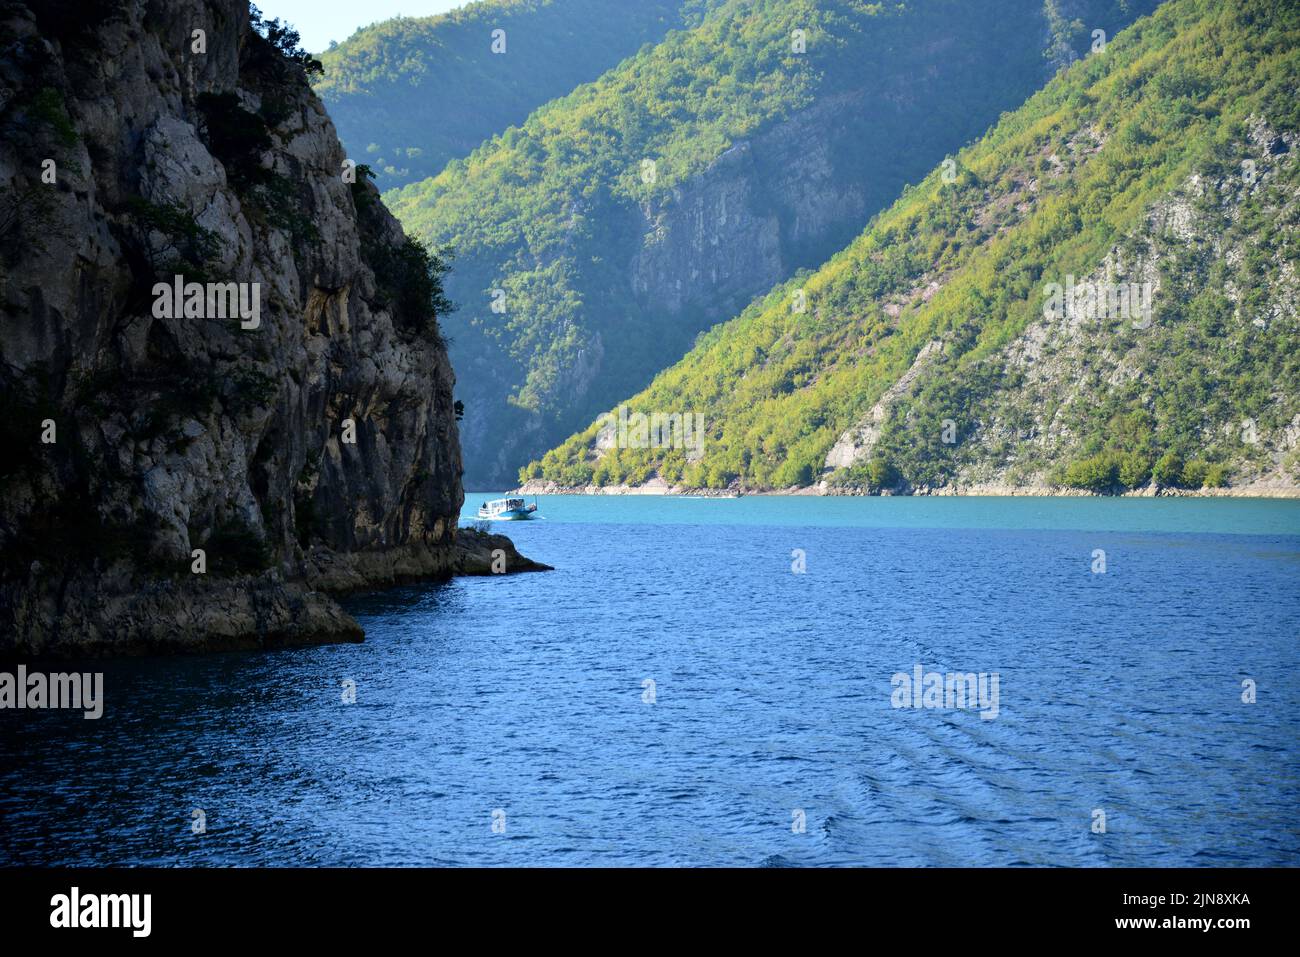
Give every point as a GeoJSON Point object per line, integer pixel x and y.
{"type": "Point", "coordinates": [658, 487]}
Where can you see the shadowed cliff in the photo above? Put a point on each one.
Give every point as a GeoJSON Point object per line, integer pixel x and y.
{"type": "Point", "coordinates": [180, 475]}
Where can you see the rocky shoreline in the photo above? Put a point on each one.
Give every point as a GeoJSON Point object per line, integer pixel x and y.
{"type": "Point", "coordinates": [538, 487]}
{"type": "Point", "coordinates": [117, 612]}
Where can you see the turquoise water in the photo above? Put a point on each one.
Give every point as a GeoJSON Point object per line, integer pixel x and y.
{"type": "Point", "coordinates": [1084, 513]}
{"type": "Point", "coordinates": [713, 682]}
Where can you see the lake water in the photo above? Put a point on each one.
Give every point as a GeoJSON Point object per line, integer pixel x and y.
{"type": "Point", "coordinates": [676, 693]}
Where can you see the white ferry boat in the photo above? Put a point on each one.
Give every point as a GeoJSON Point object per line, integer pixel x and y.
{"type": "Point", "coordinates": [507, 510]}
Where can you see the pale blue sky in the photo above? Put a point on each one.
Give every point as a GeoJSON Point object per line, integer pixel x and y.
{"type": "Point", "coordinates": [320, 21]}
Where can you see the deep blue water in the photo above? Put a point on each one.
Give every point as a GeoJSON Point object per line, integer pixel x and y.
{"type": "Point", "coordinates": [524, 694]}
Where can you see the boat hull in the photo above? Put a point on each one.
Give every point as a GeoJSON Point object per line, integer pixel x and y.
{"type": "Point", "coordinates": [511, 515]}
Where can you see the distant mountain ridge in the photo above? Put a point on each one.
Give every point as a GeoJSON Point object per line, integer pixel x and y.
{"type": "Point", "coordinates": [411, 93]}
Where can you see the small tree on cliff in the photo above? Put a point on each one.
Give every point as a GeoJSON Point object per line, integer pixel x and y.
{"type": "Point", "coordinates": [285, 40]}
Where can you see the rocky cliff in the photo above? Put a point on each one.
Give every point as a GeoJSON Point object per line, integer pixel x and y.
{"type": "Point", "coordinates": [202, 471]}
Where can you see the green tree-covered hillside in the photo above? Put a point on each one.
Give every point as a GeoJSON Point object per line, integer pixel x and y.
{"type": "Point", "coordinates": [597, 239]}
{"type": "Point", "coordinates": [932, 350]}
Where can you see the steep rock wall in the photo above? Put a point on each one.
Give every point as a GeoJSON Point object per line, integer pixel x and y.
{"type": "Point", "coordinates": [212, 160]}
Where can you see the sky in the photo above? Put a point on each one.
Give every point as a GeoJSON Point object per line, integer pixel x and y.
{"type": "Point", "coordinates": [320, 21]}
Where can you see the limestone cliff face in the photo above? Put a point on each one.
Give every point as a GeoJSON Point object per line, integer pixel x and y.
{"type": "Point", "coordinates": [309, 449]}
{"type": "Point", "coordinates": [766, 207]}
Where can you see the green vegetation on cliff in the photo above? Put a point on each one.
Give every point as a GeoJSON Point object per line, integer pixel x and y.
{"type": "Point", "coordinates": [1168, 158]}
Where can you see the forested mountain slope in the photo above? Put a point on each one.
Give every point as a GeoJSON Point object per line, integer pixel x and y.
{"type": "Point", "coordinates": [411, 93]}
{"type": "Point", "coordinates": [597, 239]}
{"type": "Point", "coordinates": [940, 348]}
